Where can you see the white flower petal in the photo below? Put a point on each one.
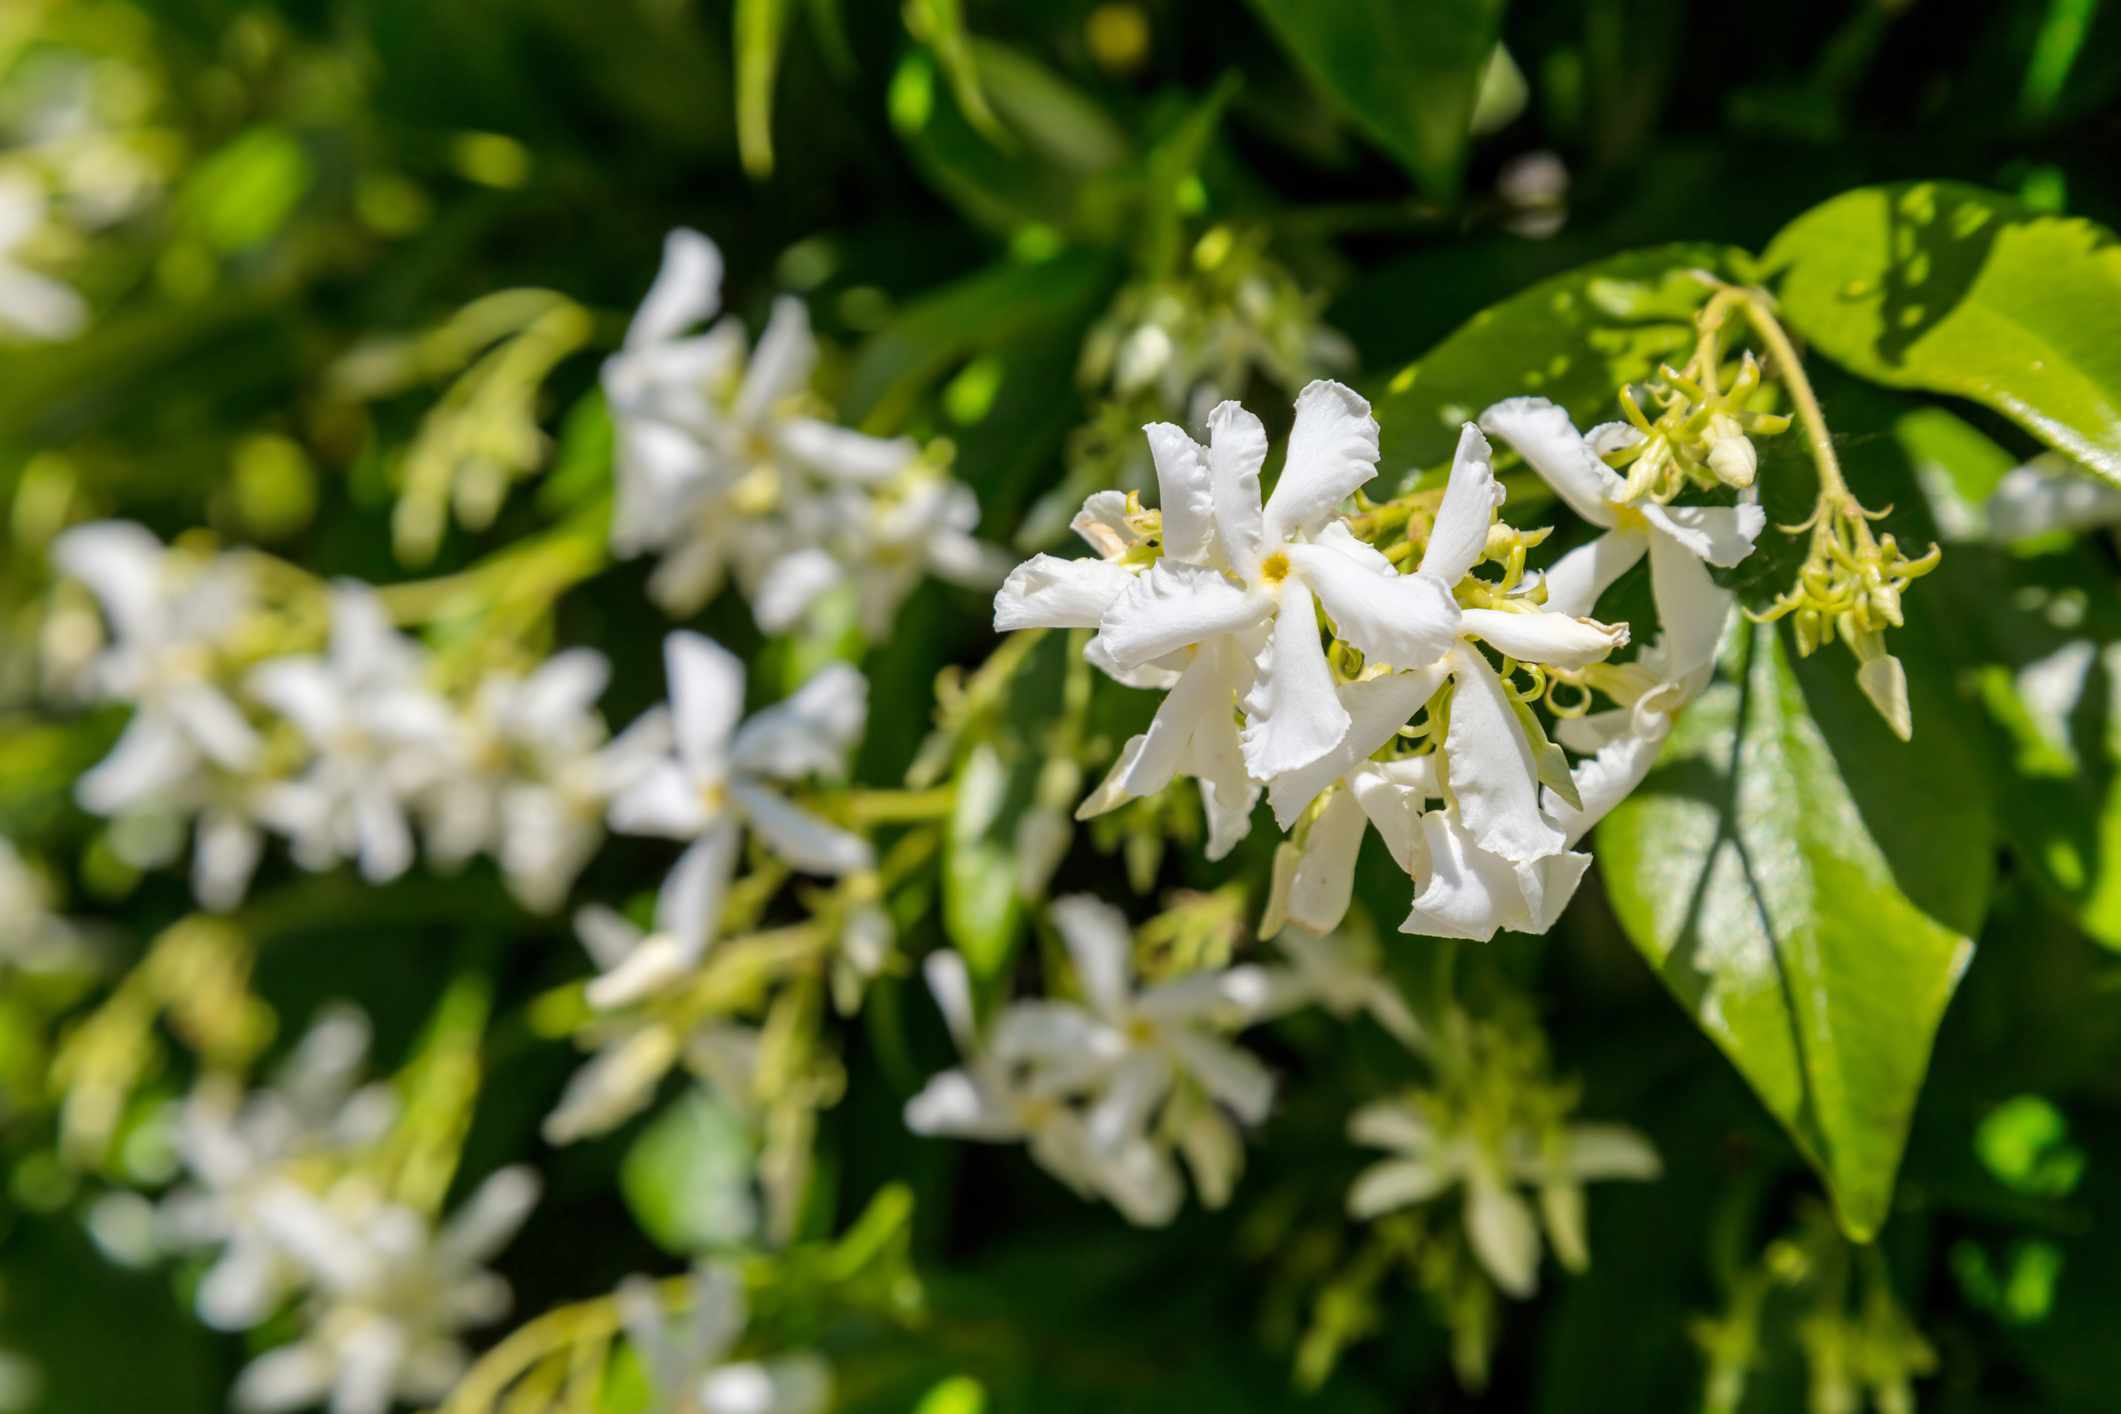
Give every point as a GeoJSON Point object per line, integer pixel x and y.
{"type": "Point", "coordinates": [1185, 492]}
{"type": "Point", "coordinates": [1469, 893]}
{"type": "Point", "coordinates": [1504, 1237]}
{"type": "Point", "coordinates": [780, 365]}
{"type": "Point", "coordinates": [1332, 451]}
{"type": "Point", "coordinates": [1406, 620]}
{"type": "Point", "coordinates": [952, 1104]}
{"type": "Point", "coordinates": [1396, 1183]}
{"type": "Point", "coordinates": [787, 585]}
{"type": "Point", "coordinates": [1293, 714]}
{"type": "Point", "coordinates": [800, 838]}
{"type": "Point", "coordinates": [1047, 592]}
{"type": "Point", "coordinates": [811, 732]}
{"type": "Point", "coordinates": [706, 698]}
{"type": "Point", "coordinates": [1578, 579]}
{"type": "Point", "coordinates": [1542, 434]}
{"type": "Point", "coordinates": [1721, 535]}
{"type": "Point", "coordinates": [663, 801]}
{"type": "Point", "coordinates": [1394, 806]}
{"type": "Point", "coordinates": [121, 563]}
{"type": "Point", "coordinates": [842, 454]}
{"type": "Point", "coordinates": [1101, 944]}
{"type": "Point", "coordinates": [1604, 781]}
{"type": "Point", "coordinates": [2048, 494]}
{"type": "Point", "coordinates": [1597, 1151]}
{"type": "Point", "coordinates": [1377, 708]}
{"type": "Point", "coordinates": [150, 757]}
{"type": "Point", "coordinates": [1460, 535]}
{"type": "Point", "coordinates": [39, 306]}
{"type": "Point", "coordinates": [1232, 1075]}
{"type": "Point", "coordinates": [606, 936]}
{"type": "Point", "coordinates": [304, 691]}
{"type": "Point", "coordinates": [1392, 1124]}
{"type": "Point", "coordinates": [1691, 607]}
{"type": "Point", "coordinates": [1237, 448]}
{"type": "Point", "coordinates": [951, 983]}
{"type": "Point", "coordinates": [687, 289]}
{"type": "Point", "coordinates": [1324, 885]}
{"type": "Point", "coordinates": [1543, 637]}
{"type": "Point", "coordinates": [688, 910]}
{"type": "Point", "coordinates": [1488, 761]}
{"type": "Point", "coordinates": [1173, 606]}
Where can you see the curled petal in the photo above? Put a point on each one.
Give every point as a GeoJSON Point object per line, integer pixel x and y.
{"type": "Point", "coordinates": [1554, 639]}
{"type": "Point", "coordinates": [1332, 451]}
{"type": "Point", "coordinates": [1460, 535]}
{"type": "Point", "coordinates": [1542, 434]}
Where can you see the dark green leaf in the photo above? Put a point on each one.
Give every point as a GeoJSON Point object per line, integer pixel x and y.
{"type": "Point", "coordinates": [1575, 338]}
{"type": "Point", "coordinates": [1814, 922]}
{"type": "Point", "coordinates": [1406, 74]}
{"type": "Point", "coordinates": [1952, 289]}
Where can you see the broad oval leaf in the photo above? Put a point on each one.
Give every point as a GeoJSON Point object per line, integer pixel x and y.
{"type": "Point", "coordinates": [1575, 338]}
{"type": "Point", "coordinates": [1953, 289]}
{"type": "Point", "coordinates": [1407, 75]}
{"type": "Point", "coordinates": [688, 1176]}
{"type": "Point", "coordinates": [983, 912]}
{"type": "Point", "coordinates": [1793, 910]}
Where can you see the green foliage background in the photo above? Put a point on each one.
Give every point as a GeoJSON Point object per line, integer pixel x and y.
{"type": "Point", "coordinates": [960, 196]}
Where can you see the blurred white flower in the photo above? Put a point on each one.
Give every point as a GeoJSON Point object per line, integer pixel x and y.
{"type": "Point", "coordinates": [725, 467]}
{"type": "Point", "coordinates": [989, 1100]}
{"type": "Point", "coordinates": [723, 777]}
{"type": "Point", "coordinates": [389, 1297]}
{"type": "Point", "coordinates": [238, 1148]}
{"type": "Point", "coordinates": [2051, 493]}
{"type": "Point", "coordinates": [379, 736]}
{"type": "Point", "coordinates": [687, 1360]}
{"type": "Point", "coordinates": [1499, 1224]}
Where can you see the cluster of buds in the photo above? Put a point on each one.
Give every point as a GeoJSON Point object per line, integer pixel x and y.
{"type": "Point", "coordinates": [1701, 436]}
{"type": "Point", "coordinates": [1849, 588]}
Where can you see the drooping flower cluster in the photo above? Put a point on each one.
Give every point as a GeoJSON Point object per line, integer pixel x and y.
{"type": "Point", "coordinates": [285, 1189]}
{"type": "Point", "coordinates": [723, 775]}
{"type": "Point", "coordinates": [344, 752]}
{"type": "Point", "coordinates": [1217, 599]}
{"type": "Point", "coordinates": [1111, 1091]}
{"type": "Point", "coordinates": [688, 1360]}
{"type": "Point", "coordinates": [728, 467]}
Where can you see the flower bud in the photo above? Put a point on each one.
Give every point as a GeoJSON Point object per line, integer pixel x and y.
{"type": "Point", "coordinates": [1731, 454]}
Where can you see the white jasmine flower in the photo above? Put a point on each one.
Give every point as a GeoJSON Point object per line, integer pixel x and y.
{"type": "Point", "coordinates": [992, 1101]}
{"type": "Point", "coordinates": [1342, 973]}
{"type": "Point", "coordinates": [516, 726]}
{"type": "Point", "coordinates": [1499, 1222]}
{"type": "Point", "coordinates": [551, 826]}
{"type": "Point", "coordinates": [240, 1148]}
{"type": "Point", "coordinates": [1047, 591]}
{"type": "Point", "coordinates": [377, 731]}
{"type": "Point", "coordinates": [2051, 493]}
{"type": "Point", "coordinates": [1149, 1063]}
{"type": "Point", "coordinates": [32, 306]}
{"type": "Point", "coordinates": [721, 463]}
{"type": "Point", "coordinates": [390, 1296]}
{"type": "Point", "coordinates": [1681, 541]}
{"type": "Point", "coordinates": [688, 1366]}
{"type": "Point", "coordinates": [724, 775]}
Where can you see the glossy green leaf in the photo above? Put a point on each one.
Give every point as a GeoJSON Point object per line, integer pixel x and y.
{"type": "Point", "coordinates": [1808, 889]}
{"type": "Point", "coordinates": [1952, 289]}
{"type": "Point", "coordinates": [1575, 338]}
{"type": "Point", "coordinates": [688, 1177]}
{"type": "Point", "coordinates": [1406, 74]}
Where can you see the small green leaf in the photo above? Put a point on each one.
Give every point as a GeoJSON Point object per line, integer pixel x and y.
{"type": "Point", "coordinates": [1813, 923]}
{"type": "Point", "coordinates": [1575, 338]}
{"type": "Point", "coordinates": [1408, 75]}
{"type": "Point", "coordinates": [1956, 290]}
{"type": "Point", "coordinates": [687, 1178]}
{"type": "Point", "coordinates": [983, 911]}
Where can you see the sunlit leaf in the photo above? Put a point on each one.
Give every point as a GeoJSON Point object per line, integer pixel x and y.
{"type": "Point", "coordinates": [1808, 888]}
{"type": "Point", "coordinates": [1952, 289]}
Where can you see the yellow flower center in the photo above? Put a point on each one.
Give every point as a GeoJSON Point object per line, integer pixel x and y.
{"type": "Point", "coordinates": [1275, 568]}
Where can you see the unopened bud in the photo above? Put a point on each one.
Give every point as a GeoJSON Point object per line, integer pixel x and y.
{"type": "Point", "coordinates": [1731, 454]}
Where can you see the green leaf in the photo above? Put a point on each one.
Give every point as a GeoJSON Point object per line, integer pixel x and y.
{"type": "Point", "coordinates": [1575, 338]}
{"type": "Point", "coordinates": [1813, 921]}
{"type": "Point", "coordinates": [1406, 74]}
{"type": "Point", "coordinates": [1066, 167]}
{"type": "Point", "coordinates": [687, 1178]}
{"type": "Point", "coordinates": [983, 911]}
{"type": "Point", "coordinates": [761, 28]}
{"type": "Point", "coordinates": [1956, 290]}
